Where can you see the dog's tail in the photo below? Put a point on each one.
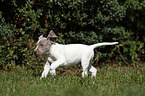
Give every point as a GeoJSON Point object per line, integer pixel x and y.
{"type": "Point", "coordinates": [103, 44]}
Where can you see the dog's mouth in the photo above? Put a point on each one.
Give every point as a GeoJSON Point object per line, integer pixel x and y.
{"type": "Point", "coordinates": [42, 53]}
{"type": "Point", "coordinates": [37, 53]}
{"type": "Point", "coordinates": [46, 52]}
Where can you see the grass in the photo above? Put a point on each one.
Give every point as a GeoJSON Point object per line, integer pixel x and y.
{"type": "Point", "coordinates": [110, 81]}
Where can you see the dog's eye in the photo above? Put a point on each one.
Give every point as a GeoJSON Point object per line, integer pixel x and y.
{"type": "Point", "coordinates": [41, 44]}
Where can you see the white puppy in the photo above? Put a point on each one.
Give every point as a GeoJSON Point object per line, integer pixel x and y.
{"type": "Point", "coordinates": [66, 55]}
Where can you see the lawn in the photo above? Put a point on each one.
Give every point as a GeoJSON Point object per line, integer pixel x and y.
{"type": "Point", "coordinates": [110, 81]}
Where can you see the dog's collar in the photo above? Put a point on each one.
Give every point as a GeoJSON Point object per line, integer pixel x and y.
{"type": "Point", "coordinates": [48, 51]}
{"type": "Point", "coordinates": [53, 43]}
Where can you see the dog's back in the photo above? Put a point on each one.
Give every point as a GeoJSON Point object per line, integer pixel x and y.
{"type": "Point", "coordinates": [73, 53]}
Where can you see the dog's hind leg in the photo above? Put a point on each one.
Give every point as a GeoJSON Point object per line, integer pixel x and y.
{"type": "Point", "coordinates": [93, 70]}
{"type": "Point", "coordinates": [85, 65]}
{"type": "Point", "coordinates": [85, 70]}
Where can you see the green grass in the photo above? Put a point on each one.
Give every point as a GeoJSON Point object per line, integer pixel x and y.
{"type": "Point", "coordinates": [110, 81]}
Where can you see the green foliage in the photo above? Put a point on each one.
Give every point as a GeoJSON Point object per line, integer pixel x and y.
{"type": "Point", "coordinates": [74, 21]}
{"type": "Point", "coordinates": [7, 53]}
{"type": "Point", "coordinates": [18, 43]}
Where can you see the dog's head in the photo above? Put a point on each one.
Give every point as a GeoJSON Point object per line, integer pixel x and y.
{"type": "Point", "coordinates": [44, 44]}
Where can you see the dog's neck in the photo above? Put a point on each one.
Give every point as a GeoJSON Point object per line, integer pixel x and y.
{"type": "Point", "coordinates": [48, 49]}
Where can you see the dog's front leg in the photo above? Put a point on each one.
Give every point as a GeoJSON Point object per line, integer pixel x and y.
{"type": "Point", "coordinates": [46, 70]}
{"type": "Point", "coordinates": [56, 64]}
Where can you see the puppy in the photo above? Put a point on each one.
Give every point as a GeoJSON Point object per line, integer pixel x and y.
{"type": "Point", "coordinates": [66, 55]}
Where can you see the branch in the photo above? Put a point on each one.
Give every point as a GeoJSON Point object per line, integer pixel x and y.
{"type": "Point", "coordinates": [95, 60]}
{"type": "Point", "coordinates": [123, 58]}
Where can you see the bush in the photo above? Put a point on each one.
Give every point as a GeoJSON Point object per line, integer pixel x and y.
{"type": "Point", "coordinates": [79, 21]}
{"type": "Point", "coordinates": [18, 39]}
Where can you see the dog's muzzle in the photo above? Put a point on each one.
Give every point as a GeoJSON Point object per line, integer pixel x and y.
{"type": "Point", "coordinates": [36, 52]}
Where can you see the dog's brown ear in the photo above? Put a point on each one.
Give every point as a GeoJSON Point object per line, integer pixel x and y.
{"type": "Point", "coordinates": [40, 37]}
{"type": "Point", "coordinates": [51, 36]}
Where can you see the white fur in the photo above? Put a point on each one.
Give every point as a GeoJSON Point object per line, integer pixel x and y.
{"type": "Point", "coordinates": [66, 55]}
